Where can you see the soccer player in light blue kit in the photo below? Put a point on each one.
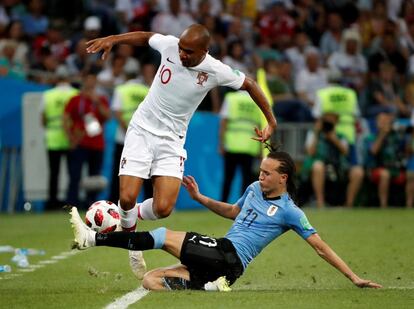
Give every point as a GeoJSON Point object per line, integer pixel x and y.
{"type": "Point", "coordinates": [264, 212]}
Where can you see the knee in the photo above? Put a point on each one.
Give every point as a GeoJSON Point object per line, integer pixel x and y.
{"type": "Point", "coordinates": [385, 175]}
{"type": "Point", "coordinates": [318, 167]}
{"type": "Point", "coordinates": [127, 198]}
{"type": "Point", "coordinates": [163, 207]}
{"type": "Point", "coordinates": [357, 172]}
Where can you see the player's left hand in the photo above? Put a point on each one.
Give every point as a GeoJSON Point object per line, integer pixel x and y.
{"type": "Point", "coordinates": [362, 283]}
{"type": "Point", "coordinates": [263, 135]}
{"type": "Point", "coordinates": [191, 185]}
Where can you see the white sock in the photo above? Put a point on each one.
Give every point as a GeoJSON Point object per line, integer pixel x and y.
{"type": "Point", "coordinates": [145, 211]}
{"type": "Point", "coordinates": [128, 217]}
{"type": "Point", "coordinates": [210, 286]}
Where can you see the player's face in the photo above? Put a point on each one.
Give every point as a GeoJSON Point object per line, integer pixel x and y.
{"type": "Point", "coordinates": [271, 181]}
{"type": "Point", "coordinates": [191, 54]}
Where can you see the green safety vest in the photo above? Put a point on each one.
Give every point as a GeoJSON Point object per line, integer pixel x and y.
{"type": "Point", "coordinates": [132, 94]}
{"type": "Point", "coordinates": [342, 101]}
{"type": "Point", "coordinates": [243, 116]}
{"type": "Point", "coordinates": [55, 102]}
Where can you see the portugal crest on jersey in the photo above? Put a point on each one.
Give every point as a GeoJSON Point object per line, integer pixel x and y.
{"type": "Point", "coordinates": [202, 78]}
{"type": "Point", "coordinates": [272, 210]}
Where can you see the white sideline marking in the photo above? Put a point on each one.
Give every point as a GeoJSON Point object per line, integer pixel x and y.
{"type": "Point", "coordinates": [128, 299]}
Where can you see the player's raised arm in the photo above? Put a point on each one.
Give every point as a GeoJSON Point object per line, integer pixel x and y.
{"type": "Point", "coordinates": [324, 251]}
{"type": "Point", "coordinates": [223, 209]}
{"type": "Point", "coordinates": [139, 38]}
{"type": "Point", "coordinates": [259, 98]}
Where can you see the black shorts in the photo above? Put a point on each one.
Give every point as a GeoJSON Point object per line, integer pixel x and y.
{"type": "Point", "coordinates": [208, 258]}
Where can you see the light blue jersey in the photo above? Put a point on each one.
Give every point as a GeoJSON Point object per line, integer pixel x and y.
{"type": "Point", "coordinates": [262, 220]}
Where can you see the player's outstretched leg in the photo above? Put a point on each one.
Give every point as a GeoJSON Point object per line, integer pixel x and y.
{"type": "Point", "coordinates": [84, 236]}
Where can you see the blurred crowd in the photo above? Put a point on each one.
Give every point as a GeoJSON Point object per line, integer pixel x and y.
{"type": "Point", "coordinates": [347, 66]}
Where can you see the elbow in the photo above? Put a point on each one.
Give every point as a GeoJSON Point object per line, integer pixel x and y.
{"type": "Point", "coordinates": [248, 84]}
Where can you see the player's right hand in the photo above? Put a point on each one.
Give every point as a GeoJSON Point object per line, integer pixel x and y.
{"type": "Point", "coordinates": [96, 45]}
{"type": "Point", "coordinates": [363, 283]}
{"type": "Point", "coordinates": [192, 187]}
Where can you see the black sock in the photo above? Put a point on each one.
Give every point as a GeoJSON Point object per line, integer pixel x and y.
{"type": "Point", "coordinates": [126, 240]}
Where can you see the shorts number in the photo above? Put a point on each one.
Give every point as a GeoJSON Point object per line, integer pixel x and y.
{"type": "Point", "coordinates": [208, 241]}
{"type": "Point", "coordinates": [252, 216]}
{"type": "Point", "coordinates": [165, 74]}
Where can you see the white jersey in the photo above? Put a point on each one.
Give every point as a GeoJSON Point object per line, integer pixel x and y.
{"type": "Point", "coordinates": [177, 91]}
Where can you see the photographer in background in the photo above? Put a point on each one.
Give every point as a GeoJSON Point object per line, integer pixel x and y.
{"type": "Point", "coordinates": [325, 165]}
{"type": "Point", "coordinates": [385, 158]}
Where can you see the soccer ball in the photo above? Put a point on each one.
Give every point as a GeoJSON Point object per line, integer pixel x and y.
{"type": "Point", "coordinates": [102, 217]}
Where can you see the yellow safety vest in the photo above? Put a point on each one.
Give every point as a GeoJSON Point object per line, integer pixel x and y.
{"type": "Point", "coordinates": [55, 102]}
{"type": "Point", "coordinates": [243, 116]}
{"type": "Point", "coordinates": [342, 101]}
{"type": "Point", "coordinates": [132, 94]}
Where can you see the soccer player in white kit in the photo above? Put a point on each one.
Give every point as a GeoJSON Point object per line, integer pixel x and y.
{"type": "Point", "coordinates": [154, 144]}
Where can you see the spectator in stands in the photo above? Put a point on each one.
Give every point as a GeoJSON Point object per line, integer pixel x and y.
{"type": "Point", "coordinates": [112, 76]}
{"type": "Point", "coordinates": [80, 61]}
{"type": "Point", "coordinates": [237, 22]}
{"type": "Point", "coordinates": [54, 41]}
{"type": "Point", "coordinates": [9, 66]}
{"type": "Point", "coordinates": [4, 18]}
{"type": "Point", "coordinates": [296, 53]}
{"type": "Point", "coordinates": [406, 27]}
{"type": "Point", "coordinates": [84, 117]}
{"type": "Point", "coordinates": [201, 8]}
{"type": "Point", "coordinates": [92, 27]}
{"type": "Point", "coordinates": [287, 106]}
{"type": "Point", "coordinates": [218, 42]}
{"type": "Point", "coordinates": [127, 52]}
{"type": "Point", "coordinates": [384, 93]}
{"type": "Point", "coordinates": [326, 161]}
{"type": "Point", "coordinates": [348, 63]}
{"type": "Point", "coordinates": [311, 78]}
{"type": "Point", "coordinates": [331, 38]}
{"type": "Point", "coordinates": [344, 102]}
{"type": "Point", "coordinates": [173, 22]}
{"type": "Point", "coordinates": [388, 51]}
{"type": "Point", "coordinates": [125, 101]}
{"type": "Point", "coordinates": [311, 18]}
{"type": "Point", "coordinates": [236, 56]}
{"type": "Point", "coordinates": [57, 141]}
{"type": "Point", "coordinates": [238, 114]}
{"type": "Point", "coordinates": [34, 21]}
{"type": "Point", "coordinates": [385, 156]}
{"type": "Point", "coordinates": [15, 32]}
{"type": "Point", "coordinates": [129, 11]}
{"type": "Point", "coordinates": [276, 26]}
{"type": "Point", "coordinates": [43, 71]}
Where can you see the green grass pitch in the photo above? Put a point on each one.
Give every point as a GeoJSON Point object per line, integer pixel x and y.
{"type": "Point", "coordinates": [377, 244]}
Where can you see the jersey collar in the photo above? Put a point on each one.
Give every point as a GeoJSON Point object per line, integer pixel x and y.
{"type": "Point", "coordinates": [271, 198]}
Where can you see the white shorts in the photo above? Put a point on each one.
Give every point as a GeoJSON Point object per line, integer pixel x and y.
{"type": "Point", "coordinates": [146, 155]}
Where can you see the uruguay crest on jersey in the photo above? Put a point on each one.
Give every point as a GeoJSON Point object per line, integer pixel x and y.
{"type": "Point", "coordinates": [271, 211]}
